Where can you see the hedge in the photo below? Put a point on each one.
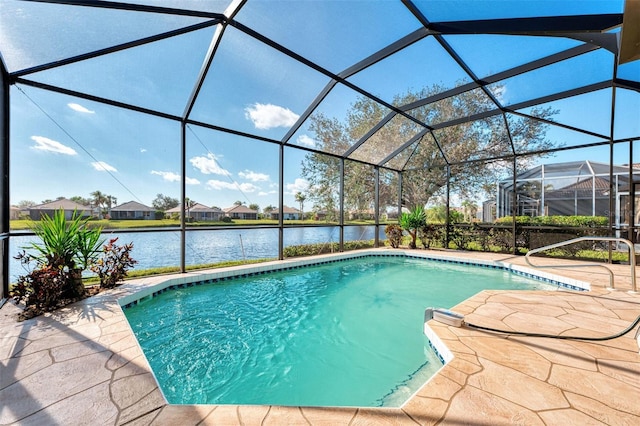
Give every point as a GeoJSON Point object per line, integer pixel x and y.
{"type": "Point", "coordinates": [322, 248]}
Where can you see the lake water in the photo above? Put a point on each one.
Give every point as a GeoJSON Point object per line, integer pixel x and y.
{"type": "Point", "coordinates": [155, 249]}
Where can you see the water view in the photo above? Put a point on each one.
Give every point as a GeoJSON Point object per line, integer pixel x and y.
{"type": "Point", "coordinates": [155, 249]}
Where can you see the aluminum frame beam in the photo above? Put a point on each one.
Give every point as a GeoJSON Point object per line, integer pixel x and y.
{"type": "Point", "coordinates": [113, 49]}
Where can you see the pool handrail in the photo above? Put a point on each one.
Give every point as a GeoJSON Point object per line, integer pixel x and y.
{"type": "Point", "coordinates": [632, 257]}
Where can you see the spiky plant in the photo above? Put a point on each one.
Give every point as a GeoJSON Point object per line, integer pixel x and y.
{"type": "Point", "coordinates": [412, 221]}
{"type": "Point", "coordinates": [66, 244]}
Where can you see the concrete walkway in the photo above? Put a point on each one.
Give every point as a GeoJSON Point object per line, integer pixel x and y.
{"type": "Point", "coordinates": [83, 366]}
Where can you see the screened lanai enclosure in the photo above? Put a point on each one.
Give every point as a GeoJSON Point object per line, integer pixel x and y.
{"type": "Point", "coordinates": [577, 188]}
{"type": "Point", "coordinates": [339, 112]}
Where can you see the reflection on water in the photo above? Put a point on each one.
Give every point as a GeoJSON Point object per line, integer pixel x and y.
{"type": "Point", "coordinates": [153, 250]}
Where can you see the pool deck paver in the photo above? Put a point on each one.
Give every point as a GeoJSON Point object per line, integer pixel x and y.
{"type": "Point", "coordinates": [82, 366]}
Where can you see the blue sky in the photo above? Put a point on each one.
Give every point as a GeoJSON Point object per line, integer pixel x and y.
{"type": "Point", "coordinates": [135, 157]}
{"type": "Point", "coordinates": [65, 146]}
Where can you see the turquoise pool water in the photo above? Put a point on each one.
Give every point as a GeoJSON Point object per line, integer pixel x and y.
{"type": "Point", "coordinates": [339, 334]}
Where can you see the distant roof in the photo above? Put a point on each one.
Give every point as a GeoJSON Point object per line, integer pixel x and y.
{"type": "Point", "coordinates": [197, 207]}
{"type": "Point", "coordinates": [239, 209]}
{"type": "Point", "coordinates": [132, 206]}
{"type": "Point", "coordinates": [286, 209]}
{"type": "Point", "coordinates": [62, 203]}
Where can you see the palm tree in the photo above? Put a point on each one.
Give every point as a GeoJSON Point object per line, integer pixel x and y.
{"type": "Point", "coordinates": [99, 199]}
{"type": "Point", "coordinates": [411, 222]}
{"type": "Point", "coordinates": [469, 210]}
{"type": "Point", "coordinates": [300, 197]}
{"type": "Point", "coordinates": [188, 204]}
{"type": "Point", "coordinates": [111, 202]}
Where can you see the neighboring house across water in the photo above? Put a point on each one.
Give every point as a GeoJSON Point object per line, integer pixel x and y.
{"type": "Point", "coordinates": [241, 212]}
{"type": "Point", "coordinates": [15, 213]}
{"type": "Point", "coordinates": [69, 207]}
{"type": "Point", "coordinates": [132, 210]}
{"type": "Point", "coordinates": [362, 215]}
{"type": "Point", "coordinates": [288, 213]}
{"type": "Point", "coordinates": [199, 212]}
{"type": "Point", "coordinates": [325, 215]}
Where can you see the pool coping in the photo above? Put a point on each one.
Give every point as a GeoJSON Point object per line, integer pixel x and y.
{"type": "Point", "coordinates": [439, 347]}
{"type": "Point", "coordinates": [104, 368]}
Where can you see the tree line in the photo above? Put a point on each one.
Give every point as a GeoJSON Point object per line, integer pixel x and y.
{"type": "Point", "coordinates": [424, 169]}
{"type": "Point", "coordinates": [161, 202]}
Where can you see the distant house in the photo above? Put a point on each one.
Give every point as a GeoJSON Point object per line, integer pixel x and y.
{"type": "Point", "coordinates": [288, 213]}
{"type": "Point", "coordinates": [240, 212]}
{"type": "Point", "coordinates": [15, 213]}
{"type": "Point", "coordinates": [360, 215]}
{"type": "Point", "coordinates": [69, 207]}
{"type": "Point", "coordinates": [199, 212]}
{"type": "Point", "coordinates": [132, 210]}
{"type": "Point", "coordinates": [326, 215]}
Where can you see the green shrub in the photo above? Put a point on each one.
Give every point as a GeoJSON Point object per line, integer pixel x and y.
{"type": "Point", "coordinates": [508, 220]}
{"type": "Point", "coordinates": [430, 234]}
{"type": "Point", "coordinates": [570, 221]}
{"type": "Point", "coordinates": [394, 235]}
{"type": "Point", "coordinates": [503, 238]}
{"type": "Point", "coordinates": [42, 288]}
{"type": "Point", "coordinates": [112, 267]}
{"type": "Point", "coordinates": [461, 236]}
{"type": "Point", "coordinates": [411, 222]}
{"type": "Point", "coordinates": [65, 245]}
{"type": "Point", "coordinates": [322, 248]}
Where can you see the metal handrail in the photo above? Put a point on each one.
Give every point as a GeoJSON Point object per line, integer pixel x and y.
{"type": "Point", "coordinates": [632, 257]}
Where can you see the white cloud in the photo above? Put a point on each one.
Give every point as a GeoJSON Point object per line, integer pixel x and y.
{"type": "Point", "coordinates": [263, 193]}
{"type": "Point", "coordinates": [174, 177]}
{"type": "Point", "coordinates": [168, 176]}
{"type": "Point", "coordinates": [208, 165]}
{"type": "Point", "coordinates": [253, 176]}
{"type": "Point", "coordinates": [219, 185]}
{"type": "Point", "coordinates": [305, 140]}
{"type": "Point", "coordinates": [268, 116]}
{"type": "Point", "coordinates": [299, 185]}
{"type": "Point", "coordinates": [101, 166]}
{"type": "Point", "coordinates": [46, 144]}
{"type": "Point", "coordinates": [80, 108]}
{"type": "Point", "coordinates": [143, 150]}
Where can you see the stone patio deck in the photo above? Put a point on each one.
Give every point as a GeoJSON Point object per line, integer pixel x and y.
{"type": "Point", "coordinates": [83, 366]}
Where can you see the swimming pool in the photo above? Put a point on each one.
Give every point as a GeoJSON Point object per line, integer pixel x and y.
{"type": "Point", "coordinates": [339, 334]}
